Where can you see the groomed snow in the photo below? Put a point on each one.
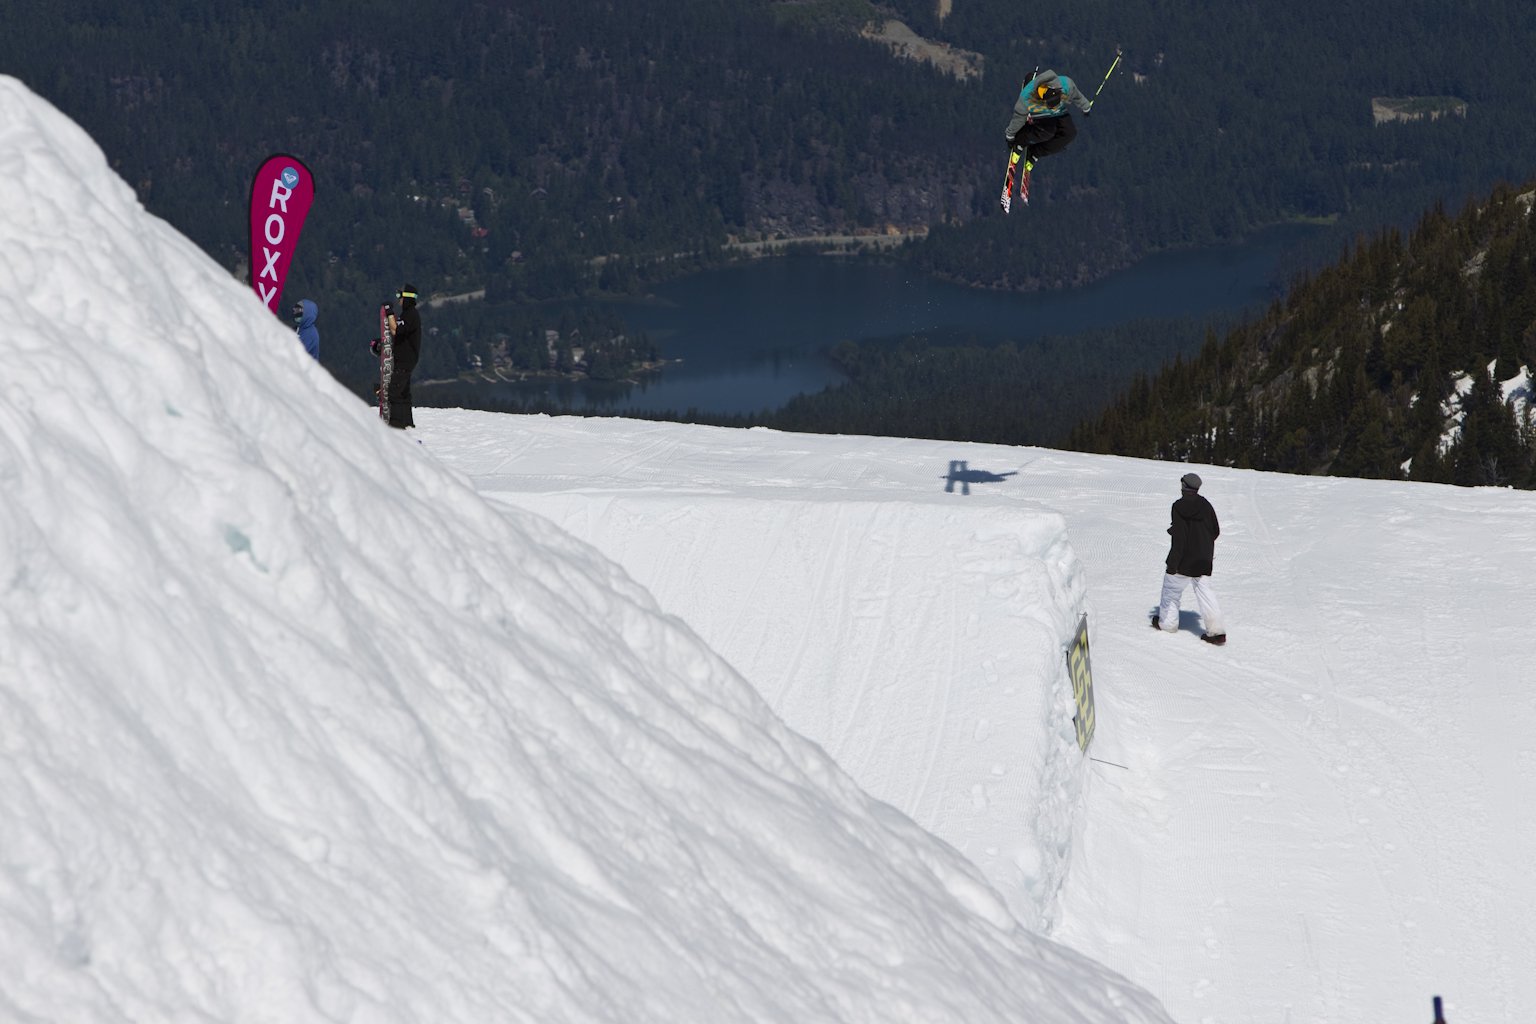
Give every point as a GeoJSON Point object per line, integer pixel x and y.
{"type": "Point", "coordinates": [1326, 820]}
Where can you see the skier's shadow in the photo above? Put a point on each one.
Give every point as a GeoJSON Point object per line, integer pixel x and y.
{"type": "Point", "coordinates": [961, 473]}
{"type": "Point", "coordinates": [1189, 621]}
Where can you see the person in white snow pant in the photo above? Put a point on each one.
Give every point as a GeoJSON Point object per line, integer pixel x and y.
{"type": "Point", "coordinates": [1193, 528]}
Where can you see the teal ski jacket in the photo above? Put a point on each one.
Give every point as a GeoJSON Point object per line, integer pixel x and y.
{"type": "Point", "coordinates": [1030, 106]}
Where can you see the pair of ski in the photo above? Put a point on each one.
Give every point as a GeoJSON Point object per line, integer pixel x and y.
{"type": "Point", "coordinates": [1014, 156]}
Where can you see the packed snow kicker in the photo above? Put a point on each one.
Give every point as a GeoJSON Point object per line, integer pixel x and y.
{"type": "Point", "coordinates": [298, 727]}
{"type": "Point", "coordinates": [303, 721]}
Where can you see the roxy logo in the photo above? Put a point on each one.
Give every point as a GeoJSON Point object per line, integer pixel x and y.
{"type": "Point", "coordinates": [273, 230]}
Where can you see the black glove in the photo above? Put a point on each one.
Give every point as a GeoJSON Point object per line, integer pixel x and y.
{"type": "Point", "coordinates": [373, 346]}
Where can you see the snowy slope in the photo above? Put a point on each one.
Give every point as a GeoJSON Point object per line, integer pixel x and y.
{"type": "Point", "coordinates": [1327, 820]}
{"type": "Point", "coordinates": [294, 726]}
{"type": "Point", "coordinates": [879, 609]}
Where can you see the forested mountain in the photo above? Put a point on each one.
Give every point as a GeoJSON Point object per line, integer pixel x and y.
{"type": "Point", "coordinates": [1031, 392]}
{"type": "Point", "coordinates": [1410, 358]}
{"type": "Point", "coordinates": [505, 145]}
{"type": "Point", "coordinates": [545, 149]}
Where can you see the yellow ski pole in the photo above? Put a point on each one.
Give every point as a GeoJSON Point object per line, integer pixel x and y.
{"type": "Point", "coordinates": [1111, 71]}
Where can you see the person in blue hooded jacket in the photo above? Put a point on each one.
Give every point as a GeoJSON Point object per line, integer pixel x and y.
{"type": "Point", "coordinates": [1042, 125]}
{"type": "Point", "coordinates": [304, 313]}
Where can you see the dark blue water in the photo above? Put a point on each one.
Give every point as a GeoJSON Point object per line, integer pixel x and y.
{"type": "Point", "coordinates": [752, 336]}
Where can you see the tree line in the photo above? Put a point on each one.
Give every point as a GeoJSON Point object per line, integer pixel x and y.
{"type": "Point", "coordinates": [1408, 359]}
{"type": "Point", "coordinates": [551, 149]}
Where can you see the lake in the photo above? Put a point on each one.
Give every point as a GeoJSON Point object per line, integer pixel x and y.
{"type": "Point", "coordinates": [752, 336]}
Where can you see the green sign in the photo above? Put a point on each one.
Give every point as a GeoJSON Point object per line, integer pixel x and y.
{"type": "Point", "coordinates": [1082, 684]}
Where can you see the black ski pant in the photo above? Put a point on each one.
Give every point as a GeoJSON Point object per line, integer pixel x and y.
{"type": "Point", "coordinates": [400, 413]}
{"type": "Point", "coordinates": [1046, 135]}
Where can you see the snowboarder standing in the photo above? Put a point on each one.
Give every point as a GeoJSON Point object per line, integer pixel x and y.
{"type": "Point", "coordinates": [1041, 124]}
{"type": "Point", "coordinates": [304, 313]}
{"type": "Point", "coordinates": [1194, 530]}
{"type": "Point", "coordinates": [407, 352]}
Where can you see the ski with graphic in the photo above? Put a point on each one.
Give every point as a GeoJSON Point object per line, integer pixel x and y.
{"type": "Point", "coordinates": [1013, 165]}
{"type": "Point", "coordinates": [1014, 158]}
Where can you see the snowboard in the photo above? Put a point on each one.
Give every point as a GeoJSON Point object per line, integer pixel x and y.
{"type": "Point", "coordinates": [386, 357]}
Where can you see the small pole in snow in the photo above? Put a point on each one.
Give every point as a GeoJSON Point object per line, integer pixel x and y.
{"type": "Point", "coordinates": [1439, 1017]}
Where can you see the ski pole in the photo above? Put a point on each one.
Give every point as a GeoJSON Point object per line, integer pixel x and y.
{"type": "Point", "coordinates": [1111, 71]}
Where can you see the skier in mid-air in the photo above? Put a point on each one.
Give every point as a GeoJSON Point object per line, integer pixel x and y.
{"type": "Point", "coordinates": [1042, 125]}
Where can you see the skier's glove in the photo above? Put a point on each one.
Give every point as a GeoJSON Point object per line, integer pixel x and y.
{"type": "Point", "coordinates": [373, 346]}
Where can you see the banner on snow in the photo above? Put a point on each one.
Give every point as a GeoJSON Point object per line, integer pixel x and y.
{"type": "Point", "coordinates": [281, 194]}
{"type": "Point", "coordinates": [1081, 671]}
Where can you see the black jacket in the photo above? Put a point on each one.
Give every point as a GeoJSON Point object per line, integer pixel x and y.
{"type": "Point", "coordinates": [407, 339]}
{"type": "Point", "coordinates": [407, 353]}
{"type": "Point", "coordinates": [1194, 531]}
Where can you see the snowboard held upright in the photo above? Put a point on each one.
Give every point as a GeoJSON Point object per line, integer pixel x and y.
{"type": "Point", "coordinates": [385, 346]}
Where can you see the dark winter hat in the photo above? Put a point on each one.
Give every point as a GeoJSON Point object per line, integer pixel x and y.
{"type": "Point", "coordinates": [1050, 95]}
{"type": "Point", "coordinates": [1190, 481]}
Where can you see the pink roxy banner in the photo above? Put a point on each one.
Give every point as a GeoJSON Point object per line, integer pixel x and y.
{"type": "Point", "coordinates": [281, 194]}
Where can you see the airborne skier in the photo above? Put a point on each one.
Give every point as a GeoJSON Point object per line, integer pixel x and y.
{"type": "Point", "coordinates": [1041, 125]}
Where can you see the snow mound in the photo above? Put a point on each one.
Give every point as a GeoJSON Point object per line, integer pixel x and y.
{"type": "Point", "coordinates": [298, 727]}
{"type": "Point", "coordinates": [919, 634]}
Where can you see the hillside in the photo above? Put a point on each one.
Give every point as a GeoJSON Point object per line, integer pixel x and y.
{"type": "Point", "coordinates": [509, 147]}
{"type": "Point", "coordinates": [1411, 358]}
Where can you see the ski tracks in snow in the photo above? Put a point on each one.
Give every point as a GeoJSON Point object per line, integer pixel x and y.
{"type": "Point", "coordinates": [1264, 803]}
